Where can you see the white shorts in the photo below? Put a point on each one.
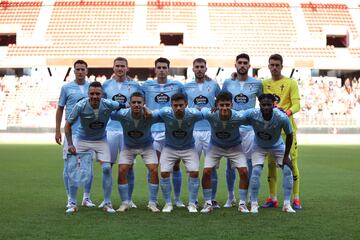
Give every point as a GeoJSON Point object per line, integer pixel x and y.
{"type": "Point", "coordinates": [115, 140]}
{"type": "Point", "coordinates": [159, 140]}
{"type": "Point", "coordinates": [202, 139]}
{"type": "Point", "coordinates": [259, 154]}
{"type": "Point", "coordinates": [148, 154]}
{"type": "Point", "coordinates": [100, 147]}
{"type": "Point", "coordinates": [234, 155]}
{"type": "Point", "coordinates": [247, 140]}
{"type": "Point", "coordinates": [170, 156]}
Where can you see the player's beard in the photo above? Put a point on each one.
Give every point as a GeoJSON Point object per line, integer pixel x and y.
{"type": "Point", "coordinates": [224, 114]}
{"type": "Point", "coordinates": [242, 71]}
{"type": "Point", "coordinates": [179, 114]}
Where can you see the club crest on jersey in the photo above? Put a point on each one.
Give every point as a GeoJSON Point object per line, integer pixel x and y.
{"type": "Point", "coordinates": [179, 133]}
{"type": "Point", "coordinates": [96, 125]}
{"type": "Point", "coordinates": [162, 98]}
{"type": "Point", "coordinates": [119, 98]}
{"type": "Point", "coordinates": [222, 135]}
{"type": "Point", "coordinates": [264, 136]}
{"type": "Point", "coordinates": [135, 134]}
{"type": "Point", "coordinates": [241, 98]}
{"type": "Point", "coordinates": [201, 100]}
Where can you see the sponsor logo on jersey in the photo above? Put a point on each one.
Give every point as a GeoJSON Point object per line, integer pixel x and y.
{"type": "Point", "coordinates": [222, 135]}
{"type": "Point", "coordinates": [96, 125]}
{"type": "Point", "coordinates": [241, 98]}
{"type": "Point", "coordinates": [264, 136]}
{"type": "Point", "coordinates": [201, 100]}
{"type": "Point", "coordinates": [120, 98]}
{"type": "Point", "coordinates": [135, 134]}
{"type": "Point", "coordinates": [179, 133]}
{"type": "Point", "coordinates": [162, 98]}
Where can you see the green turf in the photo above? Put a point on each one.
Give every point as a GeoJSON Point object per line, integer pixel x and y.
{"type": "Point", "coordinates": [32, 203]}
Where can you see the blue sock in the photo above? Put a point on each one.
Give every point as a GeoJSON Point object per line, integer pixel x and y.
{"type": "Point", "coordinates": [124, 192]}
{"type": "Point", "coordinates": [230, 177]}
{"type": "Point", "coordinates": [243, 195]}
{"type": "Point", "coordinates": [87, 185]}
{"type": "Point", "coordinates": [177, 180]}
{"type": "Point", "coordinates": [66, 178]}
{"type": "Point", "coordinates": [207, 195]}
{"type": "Point", "coordinates": [214, 183]}
{"type": "Point", "coordinates": [288, 182]}
{"type": "Point", "coordinates": [131, 181]}
{"type": "Point", "coordinates": [153, 192]}
{"type": "Point", "coordinates": [249, 165]}
{"type": "Point", "coordinates": [106, 181]}
{"type": "Point", "coordinates": [194, 184]}
{"type": "Point", "coordinates": [255, 182]}
{"type": "Point", "coordinates": [72, 193]}
{"type": "Point", "coordinates": [166, 189]}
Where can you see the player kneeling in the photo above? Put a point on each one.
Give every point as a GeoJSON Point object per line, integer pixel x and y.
{"type": "Point", "coordinates": [268, 124]}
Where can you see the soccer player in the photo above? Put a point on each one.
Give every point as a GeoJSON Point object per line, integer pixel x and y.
{"type": "Point", "coordinates": [157, 95]}
{"type": "Point", "coordinates": [287, 96]}
{"type": "Point", "coordinates": [94, 113]}
{"type": "Point", "coordinates": [268, 124]}
{"type": "Point", "coordinates": [225, 142]}
{"type": "Point", "coordinates": [179, 145]}
{"type": "Point", "coordinates": [70, 94]}
{"type": "Point", "coordinates": [244, 90]}
{"type": "Point", "coordinates": [120, 88]}
{"type": "Point", "coordinates": [137, 141]}
{"type": "Point", "coordinates": [201, 93]}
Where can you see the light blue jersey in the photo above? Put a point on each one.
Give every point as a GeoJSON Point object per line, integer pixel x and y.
{"type": "Point", "coordinates": [202, 95]}
{"type": "Point", "coordinates": [244, 94]}
{"type": "Point", "coordinates": [136, 133]}
{"type": "Point", "coordinates": [121, 92]}
{"type": "Point", "coordinates": [158, 96]}
{"type": "Point", "coordinates": [70, 94]}
{"type": "Point", "coordinates": [92, 125]}
{"type": "Point", "coordinates": [224, 134]}
{"type": "Point", "coordinates": [268, 133]}
{"type": "Point", "coordinates": [179, 133]}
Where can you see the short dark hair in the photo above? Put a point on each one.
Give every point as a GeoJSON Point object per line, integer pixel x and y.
{"type": "Point", "coordinates": [95, 84]}
{"type": "Point", "coordinates": [137, 94]}
{"type": "Point", "coordinates": [121, 59]}
{"type": "Point", "coordinates": [267, 96]}
{"type": "Point", "coordinates": [224, 96]}
{"type": "Point", "coordinates": [80, 62]}
{"type": "Point", "coordinates": [199, 60]}
{"type": "Point", "coordinates": [162, 60]}
{"type": "Point", "coordinates": [178, 96]}
{"type": "Point", "coordinates": [243, 55]}
{"type": "Point", "coordinates": [276, 57]}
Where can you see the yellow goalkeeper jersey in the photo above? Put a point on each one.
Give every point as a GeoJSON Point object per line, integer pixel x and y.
{"type": "Point", "coordinates": [286, 92]}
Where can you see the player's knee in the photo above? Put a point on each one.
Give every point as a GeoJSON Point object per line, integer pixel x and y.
{"type": "Point", "coordinates": [165, 174]}
{"type": "Point", "coordinates": [106, 168]}
{"type": "Point", "coordinates": [207, 172]}
{"type": "Point", "coordinates": [194, 174]}
{"type": "Point", "coordinates": [243, 172]}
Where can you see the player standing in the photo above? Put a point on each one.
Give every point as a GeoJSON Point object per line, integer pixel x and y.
{"type": "Point", "coordinates": [268, 124]}
{"type": "Point", "coordinates": [137, 141]}
{"type": "Point", "coordinates": [179, 145]}
{"type": "Point", "coordinates": [70, 94]}
{"type": "Point", "coordinates": [157, 95]}
{"type": "Point", "coordinates": [245, 90]}
{"type": "Point", "coordinates": [201, 93]}
{"type": "Point", "coordinates": [93, 113]}
{"type": "Point", "coordinates": [120, 88]}
{"type": "Point", "coordinates": [287, 96]}
{"type": "Point", "coordinates": [225, 142]}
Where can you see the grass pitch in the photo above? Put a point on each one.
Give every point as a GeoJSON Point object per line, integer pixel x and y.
{"type": "Point", "coordinates": [32, 200]}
